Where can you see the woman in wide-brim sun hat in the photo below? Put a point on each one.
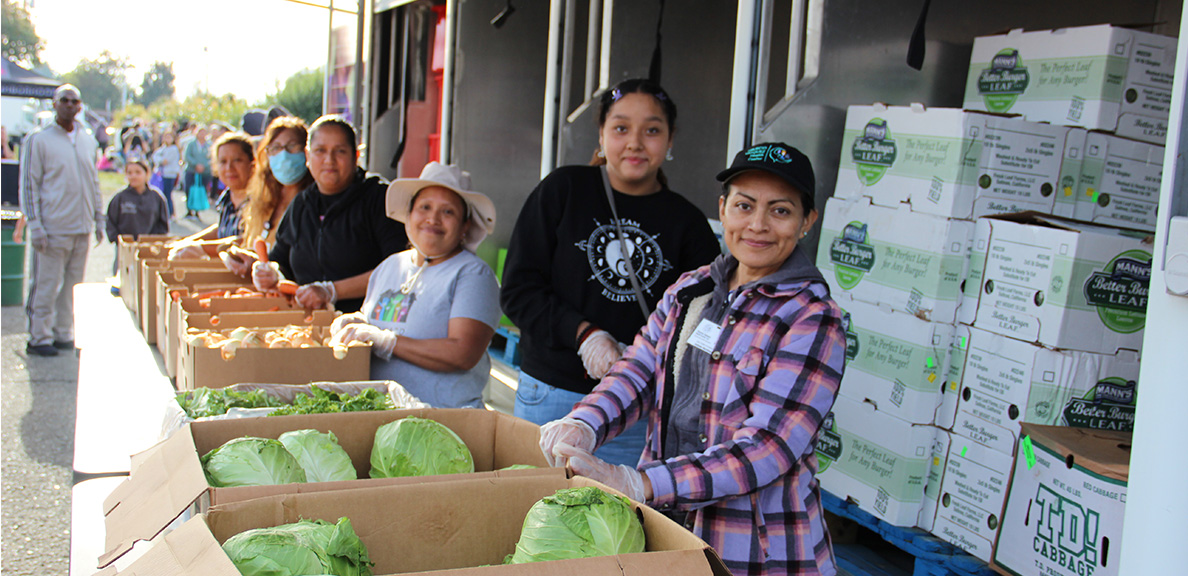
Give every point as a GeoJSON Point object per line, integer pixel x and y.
{"type": "Point", "coordinates": [430, 311]}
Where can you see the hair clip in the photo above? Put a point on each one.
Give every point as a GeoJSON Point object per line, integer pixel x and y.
{"type": "Point", "coordinates": [661, 96]}
{"type": "Point", "coordinates": [616, 94]}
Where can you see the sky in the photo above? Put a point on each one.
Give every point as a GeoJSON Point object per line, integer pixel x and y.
{"type": "Point", "coordinates": [231, 44]}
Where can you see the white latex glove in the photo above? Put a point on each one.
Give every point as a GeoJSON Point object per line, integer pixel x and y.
{"type": "Point", "coordinates": [344, 319]}
{"type": "Point", "coordinates": [623, 478]}
{"type": "Point", "coordinates": [38, 238]}
{"type": "Point", "coordinates": [568, 431]}
{"type": "Point", "coordinates": [382, 341]}
{"type": "Point", "coordinates": [186, 250]}
{"type": "Point", "coordinates": [316, 295]}
{"type": "Point", "coordinates": [233, 263]}
{"type": "Point", "coordinates": [599, 351]}
{"type": "Point", "coordinates": [265, 275]}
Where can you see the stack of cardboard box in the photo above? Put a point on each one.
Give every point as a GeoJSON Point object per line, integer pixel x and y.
{"type": "Point", "coordinates": [1043, 230]}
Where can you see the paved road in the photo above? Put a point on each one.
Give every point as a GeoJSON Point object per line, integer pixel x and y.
{"type": "Point", "coordinates": [37, 402]}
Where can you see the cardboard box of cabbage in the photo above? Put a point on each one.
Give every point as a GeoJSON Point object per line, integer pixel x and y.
{"type": "Point", "coordinates": [452, 522]}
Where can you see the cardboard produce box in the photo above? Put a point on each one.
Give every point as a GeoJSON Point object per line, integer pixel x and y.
{"type": "Point", "coordinates": [913, 262]}
{"type": "Point", "coordinates": [1059, 283]}
{"type": "Point", "coordinates": [447, 528]}
{"type": "Point", "coordinates": [1065, 505]}
{"type": "Point", "coordinates": [168, 330]}
{"type": "Point", "coordinates": [149, 270]}
{"type": "Point", "coordinates": [1098, 77]}
{"type": "Point", "coordinates": [167, 479]}
{"type": "Point", "coordinates": [967, 484]}
{"type": "Point", "coordinates": [875, 460]}
{"type": "Point", "coordinates": [127, 247]}
{"type": "Point", "coordinates": [897, 361]}
{"type": "Point", "coordinates": [1119, 182]}
{"type": "Point", "coordinates": [1000, 382]}
{"type": "Point", "coordinates": [202, 367]}
{"type": "Point", "coordinates": [953, 163]}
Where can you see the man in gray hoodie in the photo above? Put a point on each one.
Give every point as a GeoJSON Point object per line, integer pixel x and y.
{"type": "Point", "coordinates": [60, 199]}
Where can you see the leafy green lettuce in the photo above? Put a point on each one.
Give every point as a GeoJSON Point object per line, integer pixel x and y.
{"type": "Point", "coordinates": [418, 447]}
{"type": "Point", "coordinates": [578, 523]}
{"type": "Point", "coordinates": [305, 548]}
{"type": "Point", "coordinates": [321, 401]}
{"type": "Point", "coordinates": [205, 402]}
{"type": "Point", "coordinates": [251, 461]}
{"type": "Point", "coordinates": [319, 455]}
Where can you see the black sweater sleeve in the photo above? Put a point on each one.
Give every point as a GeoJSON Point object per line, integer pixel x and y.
{"type": "Point", "coordinates": [527, 295]}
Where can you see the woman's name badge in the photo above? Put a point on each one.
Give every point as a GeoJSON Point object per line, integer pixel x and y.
{"type": "Point", "coordinates": [705, 337]}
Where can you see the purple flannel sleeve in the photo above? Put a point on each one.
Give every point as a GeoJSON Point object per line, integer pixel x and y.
{"type": "Point", "coordinates": [791, 399]}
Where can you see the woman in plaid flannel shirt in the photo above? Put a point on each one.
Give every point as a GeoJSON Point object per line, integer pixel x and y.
{"type": "Point", "coordinates": [734, 374]}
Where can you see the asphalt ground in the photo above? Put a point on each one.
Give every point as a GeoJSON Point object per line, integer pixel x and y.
{"type": "Point", "coordinates": [37, 409]}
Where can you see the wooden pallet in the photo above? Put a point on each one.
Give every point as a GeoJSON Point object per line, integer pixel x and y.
{"type": "Point", "coordinates": [933, 556]}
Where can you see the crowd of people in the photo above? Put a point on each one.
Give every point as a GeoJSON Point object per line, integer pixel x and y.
{"type": "Point", "coordinates": [688, 379]}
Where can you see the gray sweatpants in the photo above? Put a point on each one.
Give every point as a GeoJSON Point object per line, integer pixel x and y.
{"type": "Point", "coordinates": [56, 270]}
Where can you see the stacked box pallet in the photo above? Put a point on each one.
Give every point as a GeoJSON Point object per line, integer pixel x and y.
{"type": "Point", "coordinates": [1050, 325]}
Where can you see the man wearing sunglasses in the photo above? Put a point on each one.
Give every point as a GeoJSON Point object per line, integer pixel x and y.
{"type": "Point", "coordinates": [60, 199]}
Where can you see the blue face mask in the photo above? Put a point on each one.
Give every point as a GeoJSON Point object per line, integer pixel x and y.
{"type": "Point", "coordinates": [287, 167]}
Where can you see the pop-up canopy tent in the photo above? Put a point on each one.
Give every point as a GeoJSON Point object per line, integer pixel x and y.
{"type": "Point", "coordinates": [17, 81]}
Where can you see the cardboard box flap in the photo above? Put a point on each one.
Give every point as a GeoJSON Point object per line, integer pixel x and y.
{"type": "Point", "coordinates": [258, 319]}
{"type": "Point", "coordinates": [189, 550]}
{"type": "Point", "coordinates": [1101, 452]}
{"type": "Point", "coordinates": [168, 479]}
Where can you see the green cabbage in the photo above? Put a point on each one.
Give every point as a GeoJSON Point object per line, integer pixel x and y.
{"type": "Point", "coordinates": [578, 523]}
{"type": "Point", "coordinates": [418, 447]}
{"type": "Point", "coordinates": [319, 455]}
{"type": "Point", "coordinates": [251, 461]}
{"type": "Point", "coordinates": [308, 547]}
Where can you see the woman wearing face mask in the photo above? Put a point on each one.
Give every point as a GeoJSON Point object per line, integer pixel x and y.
{"type": "Point", "coordinates": [430, 312]}
{"type": "Point", "coordinates": [280, 174]}
{"type": "Point", "coordinates": [335, 232]}
{"type": "Point", "coordinates": [567, 284]}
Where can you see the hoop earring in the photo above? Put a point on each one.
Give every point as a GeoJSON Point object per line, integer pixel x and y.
{"type": "Point", "coordinates": [601, 153]}
{"type": "Point", "coordinates": [668, 156]}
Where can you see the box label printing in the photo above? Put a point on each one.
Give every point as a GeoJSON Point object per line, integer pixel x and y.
{"type": "Point", "coordinates": [910, 261]}
{"type": "Point", "coordinates": [952, 163]}
{"type": "Point", "coordinates": [1099, 77]}
{"type": "Point", "coordinates": [1119, 182]}
{"type": "Point", "coordinates": [972, 493]}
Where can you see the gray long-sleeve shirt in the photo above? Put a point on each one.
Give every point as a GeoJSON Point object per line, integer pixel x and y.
{"type": "Point", "coordinates": [59, 182]}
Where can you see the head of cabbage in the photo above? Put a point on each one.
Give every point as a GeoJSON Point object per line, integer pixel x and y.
{"type": "Point", "coordinates": [418, 447]}
{"type": "Point", "coordinates": [319, 455]}
{"type": "Point", "coordinates": [304, 548]}
{"type": "Point", "coordinates": [251, 461]}
{"type": "Point", "coordinates": [578, 523]}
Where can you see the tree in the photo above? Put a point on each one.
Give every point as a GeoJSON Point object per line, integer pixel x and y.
{"type": "Point", "coordinates": [301, 95]}
{"type": "Point", "coordinates": [157, 84]}
{"type": "Point", "coordinates": [20, 41]}
{"type": "Point", "coordinates": [101, 81]}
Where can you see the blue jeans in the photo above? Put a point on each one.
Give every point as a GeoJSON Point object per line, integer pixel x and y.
{"type": "Point", "coordinates": [540, 403]}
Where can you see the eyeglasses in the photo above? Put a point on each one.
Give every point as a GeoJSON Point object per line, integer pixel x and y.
{"type": "Point", "coordinates": [292, 148]}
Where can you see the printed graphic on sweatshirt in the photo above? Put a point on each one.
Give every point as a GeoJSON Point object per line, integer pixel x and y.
{"type": "Point", "coordinates": [608, 255]}
{"type": "Point", "coordinates": [393, 306]}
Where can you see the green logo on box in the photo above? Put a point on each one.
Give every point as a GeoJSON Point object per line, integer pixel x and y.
{"type": "Point", "coordinates": [852, 255]}
{"type": "Point", "coordinates": [1120, 290]}
{"type": "Point", "coordinates": [1001, 84]}
{"type": "Point", "coordinates": [874, 152]}
{"type": "Point", "coordinates": [1066, 532]}
{"type": "Point", "coordinates": [851, 337]}
{"type": "Point", "coordinates": [829, 444]}
{"type": "Point", "coordinates": [1108, 406]}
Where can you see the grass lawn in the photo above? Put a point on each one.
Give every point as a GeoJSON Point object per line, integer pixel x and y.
{"type": "Point", "coordinates": [110, 183]}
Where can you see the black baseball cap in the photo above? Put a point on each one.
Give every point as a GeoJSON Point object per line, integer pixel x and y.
{"type": "Point", "coordinates": [780, 160]}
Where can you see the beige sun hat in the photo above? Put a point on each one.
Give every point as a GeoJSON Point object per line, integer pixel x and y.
{"type": "Point", "coordinates": [482, 211]}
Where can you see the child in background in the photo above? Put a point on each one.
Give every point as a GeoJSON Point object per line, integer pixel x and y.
{"type": "Point", "coordinates": [137, 209]}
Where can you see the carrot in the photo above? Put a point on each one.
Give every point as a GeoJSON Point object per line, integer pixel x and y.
{"type": "Point", "coordinates": [262, 250]}
{"type": "Point", "coordinates": [287, 287]}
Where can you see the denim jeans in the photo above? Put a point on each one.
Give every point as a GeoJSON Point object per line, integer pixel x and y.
{"type": "Point", "coordinates": [540, 403]}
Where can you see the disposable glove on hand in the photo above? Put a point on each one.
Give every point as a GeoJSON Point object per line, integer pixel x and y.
{"type": "Point", "coordinates": [265, 276]}
{"type": "Point", "coordinates": [599, 352]}
{"type": "Point", "coordinates": [343, 320]}
{"type": "Point", "coordinates": [623, 478]}
{"type": "Point", "coordinates": [382, 341]}
{"type": "Point", "coordinates": [316, 295]}
{"type": "Point", "coordinates": [568, 431]}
